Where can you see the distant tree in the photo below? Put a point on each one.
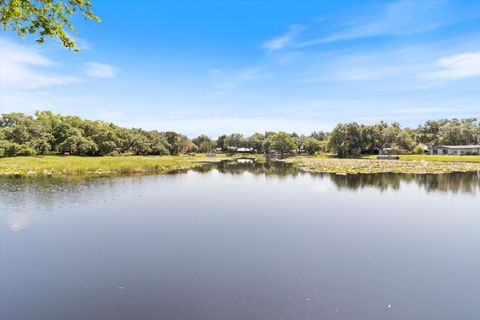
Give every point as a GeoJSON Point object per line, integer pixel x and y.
{"type": "Point", "coordinates": [138, 143]}
{"type": "Point", "coordinates": [429, 132]}
{"type": "Point", "coordinates": [345, 139]}
{"type": "Point", "coordinates": [78, 145]}
{"type": "Point", "coordinates": [450, 132]}
{"type": "Point", "coordinates": [221, 142]}
{"type": "Point", "coordinates": [45, 132]}
{"type": "Point", "coordinates": [47, 18]}
{"type": "Point", "coordinates": [204, 143]}
{"type": "Point", "coordinates": [319, 135]}
{"type": "Point", "coordinates": [282, 142]}
{"type": "Point", "coordinates": [174, 141]}
{"type": "Point", "coordinates": [256, 141]}
{"type": "Point", "coordinates": [373, 137]}
{"type": "Point", "coordinates": [157, 142]}
{"type": "Point", "coordinates": [25, 133]}
{"type": "Point", "coordinates": [12, 149]}
{"type": "Point", "coordinates": [312, 145]}
{"type": "Point", "coordinates": [235, 140]}
{"type": "Point", "coordinates": [404, 141]}
{"type": "Point", "coordinates": [299, 141]}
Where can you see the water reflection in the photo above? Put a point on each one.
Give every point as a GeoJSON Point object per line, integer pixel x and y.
{"type": "Point", "coordinates": [43, 189]}
{"type": "Point", "coordinates": [242, 165]}
{"type": "Point", "coordinates": [18, 221]}
{"type": "Point", "coordinates": [465, 182]}
{"type": "Point", "coordinates": [452, 182]}
{"type": "Point", "coordinates": [240, 241]}
{"type": "Point", "coordinates": [46, 195]}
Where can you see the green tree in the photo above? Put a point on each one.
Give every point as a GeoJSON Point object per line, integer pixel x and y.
{"type": "Point", "coordinates": [158, 143]}
{"type": "Point", "coordinates": [256, 141]}
{"type": "Point", "coordinates": [312, 145]}
{"type": "Point", "coordinates": [204, 143]}
{"type": "Point", "coordinates": [178, 143]}
{"type": "Point", "coordinates": [234, 141]}
{"type": "Point", "coordinates": [345, 139]}
{"type": "Point", "coordinates": [282, 142]}
{"type": "Point", "coordinates": [320, 135]}
{"type": "Point", "coordinates": [78, 145]}
{"type": "Point", "coordinates": [221, 142]}
{"type": "Point", "coordinates": [47, 18]}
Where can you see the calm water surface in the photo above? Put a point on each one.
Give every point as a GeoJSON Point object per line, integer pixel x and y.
{"type": "Point", "coordinates": [241, 242]}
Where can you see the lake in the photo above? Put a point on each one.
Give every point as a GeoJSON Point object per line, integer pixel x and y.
{"type": "Point", "coordinates": [241, 241]}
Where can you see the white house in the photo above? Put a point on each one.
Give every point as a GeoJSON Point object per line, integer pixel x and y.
{"type": "Point", "coordinates": [456, 150]}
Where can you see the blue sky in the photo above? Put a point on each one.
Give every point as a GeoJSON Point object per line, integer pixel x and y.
{"type": "Point", "coordinates": [221, 67]}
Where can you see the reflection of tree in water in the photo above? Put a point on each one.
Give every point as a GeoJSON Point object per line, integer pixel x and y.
{"type": "Point", "coordinates": [267, 168]}
{"type": "Point", "coordinates": [451, 182]}
{"type": "Point", "coordinates": [47, 193]}
{"type": "Point", "coordinates": [23, 191]}
{"type": "Point", "coordinates": [360, 181]}
{"type": "Point", "coordinates": [456, 182]}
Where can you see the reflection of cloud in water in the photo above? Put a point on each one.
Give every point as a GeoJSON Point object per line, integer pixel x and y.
{"type": "Point", "coordinates": [19, 222]}
{"type": "Point", "coordinates": [244, 160]}
{"type": "Point", "coordinates": [320, 187]}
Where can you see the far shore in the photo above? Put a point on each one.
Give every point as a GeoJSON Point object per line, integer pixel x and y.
{"type": "Point", "coordinates": [52, 165]}
{"type": "Point", "coordinates": [413, 164]}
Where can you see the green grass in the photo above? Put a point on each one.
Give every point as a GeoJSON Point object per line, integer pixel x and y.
{"type": "Point", "coordinates": [52, 165]}
{"type": "Point", "coordinates": [416, 164]}
{"type": "Point", "coordinates": [73, 165]}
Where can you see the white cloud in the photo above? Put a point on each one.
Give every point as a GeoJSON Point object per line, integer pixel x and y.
{"type": "Point", "coordinates": [221, 125]}
{"type": "Point", "coordinates": [285, 40]}
{"type": "Point", "coordinates": [397, 19]}
{"type": "Point", "coordinates": [19, 222]}
{"type": "Point", "coordinates": [23, 67]}
{"type": "Point", "coordinates": [232, 80]}
{"type": "Point", "coordinates": [459, 66]}
{"type": "Point", "coordinates": [100, 70]}
{"type": "Point", "coordinates": [214, 71]}
{"type": "Point", "coordinates": [80, 43]}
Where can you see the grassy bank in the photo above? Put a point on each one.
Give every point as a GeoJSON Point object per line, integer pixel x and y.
{"type": "Point", "coordinates": [72, 165]}
{"type": "Point", "coordinates": [420, 164]}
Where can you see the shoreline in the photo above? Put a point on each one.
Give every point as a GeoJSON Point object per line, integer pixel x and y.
{"type": "Point", "coordinates": [371, 166]}
{"type": "Point", "coordinates": [73, 166]}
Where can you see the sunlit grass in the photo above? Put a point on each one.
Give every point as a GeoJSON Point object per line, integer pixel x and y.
{"type": "Point", "coordinates": [72, 165]}
{"type": "Point", "coordinates": [416, 164]}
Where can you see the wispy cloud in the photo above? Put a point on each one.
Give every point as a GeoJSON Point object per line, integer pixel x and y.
{"type": "Point", "coordinates": [215, 71]}
{"type": "Point", "coordinates": [284, 40]}
{"type": "Point", "coordinates": [100, 70]}
{"type": "Point", "coordinates": [216, 126]}
{"type": "Point", "coordinates": [459, 66]}
{"type": "Point", "coordinates": [229, 81]}
{"type": "Point", "coordinates": [19, 222]}
{"type": "Point", "coordinates": [23, 67]}
{"type": "Point", "coordinates": [80, 43]}
{"type": "Point", "coordinates": [398, 19]}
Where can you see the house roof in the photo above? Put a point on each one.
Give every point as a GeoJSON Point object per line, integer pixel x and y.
{"type": "Point", "coordinates": [470, 146]}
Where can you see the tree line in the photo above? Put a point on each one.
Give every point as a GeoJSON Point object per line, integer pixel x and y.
{"type": "Point", "coordinates": [46, 133]}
